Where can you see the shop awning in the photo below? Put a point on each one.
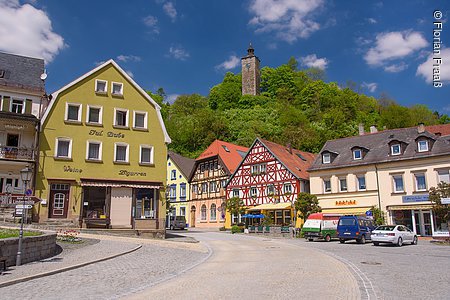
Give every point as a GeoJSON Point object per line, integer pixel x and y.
{"type": "Point", "coordinates": [410, 207]}
{"type": "Point", "coordinates": [271, 206]}
{"type": "Point", "coordinates": [346, 210]}
{"type": "Point", "coordinates": [118, 184]}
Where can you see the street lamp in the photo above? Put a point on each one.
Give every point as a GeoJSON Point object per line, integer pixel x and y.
{"type": "Point", "coordinates": [25, 175]}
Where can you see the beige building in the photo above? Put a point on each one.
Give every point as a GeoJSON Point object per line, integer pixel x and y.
{"type": "Point", "coordinates": [392, 169]}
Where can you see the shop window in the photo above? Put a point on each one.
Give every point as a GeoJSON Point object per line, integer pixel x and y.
{"type": "Point", "coordinates": [421, 184]}
{"type": "Point", "coordinates": [327, 186]}
{"type": "Point", "coordinates": [94, 199]}
{"type": "Point", "coordinates": [398, 183]}
{"type": "Point", "coordinates": [94, 150]}
{"type": "Point", "coordinates": [73, 112]}
{"type": "Point", "coordinates": [94, 115]}
{"type": "Point", "coordinates": [101, 86]}
{"type": "Point", "coordinates": [213, 212]}
{"type": "Point", "coordinates": [117, 88]}
{"type": "Point", "coordinates": [145, 207]}
{"type": "Point", "coordinates": [121, 117]}
{"type": "Point", "coordinates": [63, 148]}
{"type": "Point", "coordinates": [343, 184]}
{"type": "Point", "coordinates": [287, 217]}
{"type": "Point", "coordinates": [203, 213]}
{"type": "Point", "coordinates": [279, 217]}
{"type": "Point", "coordinates": [140, 120]}
{"type": "Point", "coordinates": [361, 183]}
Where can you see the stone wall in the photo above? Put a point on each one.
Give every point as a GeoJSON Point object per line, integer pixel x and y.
{"type": "Point", "coordinates": [33, 248]}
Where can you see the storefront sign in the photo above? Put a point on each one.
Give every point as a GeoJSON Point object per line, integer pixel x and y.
{"type": "Point", "coordinates": [416, 198]}
{"type": "Point", "coordinates": [72, 170]}
{"type": "Point", "coordinates": [128, 173]}
{"type": "Point", "coordinates": [109, 134]}
{"type": "Point", "coordinates": [445, 200]}
{"type": "Point", "coordinates": [346, 202]}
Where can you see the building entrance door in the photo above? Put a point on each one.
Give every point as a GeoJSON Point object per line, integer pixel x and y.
{"type": "Point", "coordinates": [59, 200]}
{"type": "Point", "coordinates": [422, 220]}
{"type": "Point", "coordinates": [192, 224]}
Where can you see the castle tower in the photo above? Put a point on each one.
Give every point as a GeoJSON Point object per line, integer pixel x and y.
{"type": "Point", "coordinates": [251, 76]}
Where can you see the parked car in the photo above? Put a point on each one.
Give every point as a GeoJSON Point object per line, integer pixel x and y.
{"type": "Point", "coordinates": [320, 226]}
{"type": "Point", "coordinates": [179, 222]}
{"type": "Point", "coordinates": [357, 228]}
{"type": "Point", "coordinates": [394, 234]}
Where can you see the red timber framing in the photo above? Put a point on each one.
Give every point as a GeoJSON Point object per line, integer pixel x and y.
{"type": "Point", "coordinates": [262, 178]}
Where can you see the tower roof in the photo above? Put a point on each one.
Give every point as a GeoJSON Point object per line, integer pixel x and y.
{"type": "Point", "coordinates": [250, 50]}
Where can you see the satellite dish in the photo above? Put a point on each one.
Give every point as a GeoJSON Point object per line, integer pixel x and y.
{"type": "Point", "coordinates": [43, 76]}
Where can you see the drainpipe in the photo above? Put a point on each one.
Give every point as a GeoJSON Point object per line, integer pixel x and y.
{"type": "Point", "coordinates": [378, 188]}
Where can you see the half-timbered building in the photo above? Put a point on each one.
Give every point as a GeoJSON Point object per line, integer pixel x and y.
{"type": "Point", "coordinates": [269, 179]}
{"type": "Point", "coordinates": [211, 172]}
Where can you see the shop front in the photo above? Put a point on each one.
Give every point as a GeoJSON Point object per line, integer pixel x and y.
{"type": "Point", "coordinates": [278, 213]}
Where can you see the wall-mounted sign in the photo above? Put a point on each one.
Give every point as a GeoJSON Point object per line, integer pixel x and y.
{"type": "Point", "coordinates": [109, 134]}
{"type": "Point", "coordinates": [415, 198]}
{"type": "Point", "coordinates": [129, 173]}
{"type": "Point", "coordinates": [70, 169]}
{"type": "Point", "coordinates": [346, 202]}
{"type": "Point", "coordinates": [445, 200]}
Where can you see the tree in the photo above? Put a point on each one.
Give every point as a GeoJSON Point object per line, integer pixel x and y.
{"type": "Point", "coordinates": [441, 211]}
{"type": "Point", "coordinates": [235, 206]}
{"type": "Point", "coordinates": [378, 215]}
{"type": "Point", "coordinates": [307, 204]}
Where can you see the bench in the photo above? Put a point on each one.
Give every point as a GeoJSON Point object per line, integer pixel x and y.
{"type": "Point", "coordinates": [97, 222]}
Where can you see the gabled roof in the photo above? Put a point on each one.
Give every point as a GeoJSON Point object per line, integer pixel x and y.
{"type": "Point", "coordinates": [296, 161]}
{"type": "Point", "coordinates": [124, 74]}
{"type": "Point", "coordinates": [379, 149]}
{"type": "Point", "coordinates": [230, 154]}
{"type": "Point", "coordinates": [21, 72]}
{"type": "Point", "coordinates": [183, 163]}
{"type": "Point", "coordinates": [439, 130]}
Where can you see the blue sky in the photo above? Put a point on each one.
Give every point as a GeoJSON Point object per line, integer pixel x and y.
{"type": "Point", "coordinates": [187, 46]}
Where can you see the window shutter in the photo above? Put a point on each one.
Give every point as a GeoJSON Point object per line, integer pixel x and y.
{"type": "Point", "coordinates": [28, 105]}
{"type": "Point", "coordinates": [6, 103]}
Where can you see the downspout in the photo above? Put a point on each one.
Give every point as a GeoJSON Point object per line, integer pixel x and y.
{"type": "Point", "coordinates": [378, 189]}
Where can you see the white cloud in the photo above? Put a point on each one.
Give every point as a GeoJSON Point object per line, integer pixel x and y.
{"type": "Point", "coordinates": [98, 63]}
{"type": "Point", "coordinates": [372, 21]}
{"type": "Point", "coordinates": [312, 61]}
{"type": "Point", "coordinates": [426, 69]}
{"type": "Point", "coordinates": [395, 68]}
{"type": "Point", "coordinates": [26, 30]}
{"type": "Point", "coordinates": [288, 19]}
{"type": "Point", "coordinates": [152, 23]}
{"type": "Point", "coordinates": [370, 86]}
{"type": "Point", "coordinates": [127, 58]}
{"type": "Point", "coordinates": [171, 98]}
{"type": "Point", "coordinates": [178, 52]}
{"type": "Point", "coordinates": [170, 10]}
{"type": "Point", "coordinates": [231, 63]}
{"type": "Point", "coordinates": [130, 73]}
{"type": "Point", "coordinates": [394, 45]}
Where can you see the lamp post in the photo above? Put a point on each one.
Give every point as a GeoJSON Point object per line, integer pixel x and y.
{"type": "Point", "coordinates": [25, 175]}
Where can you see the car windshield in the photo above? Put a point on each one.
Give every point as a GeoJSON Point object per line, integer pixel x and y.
{"type": "Point", "coordinates": [385, 228]}
{"type": "Point", "coordinates": [347, 222]}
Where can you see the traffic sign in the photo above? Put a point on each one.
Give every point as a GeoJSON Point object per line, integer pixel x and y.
{"type": "Point", "coordinates": [29, 192]}
{"type": "Point", "coordinates": [369, 213]}
{"type": "Point", "coordinates": [21, 206]}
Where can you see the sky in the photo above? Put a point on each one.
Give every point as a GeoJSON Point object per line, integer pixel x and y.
{"type": "Point", "coordinates": [186, 47]}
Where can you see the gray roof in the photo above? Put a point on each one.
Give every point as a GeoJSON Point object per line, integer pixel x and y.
{"type": "Point", "coordinates": [183, 163]}
{"type": "Point", "coordinates": [21, 72]}
{"type": "Point", "coordinates": [376, 148]}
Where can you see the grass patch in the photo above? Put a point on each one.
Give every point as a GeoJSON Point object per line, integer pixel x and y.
{"type": "Point", "coordinates": [9, 233]}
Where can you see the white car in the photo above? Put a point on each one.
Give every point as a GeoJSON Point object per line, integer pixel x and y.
{"type": "Point", "coordinates": [394, 234]}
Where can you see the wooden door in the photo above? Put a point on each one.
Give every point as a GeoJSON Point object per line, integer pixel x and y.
{"type": "Point", "coordinates": [192, 223]}
{"type": "Point", "coordinates": [59, 200]}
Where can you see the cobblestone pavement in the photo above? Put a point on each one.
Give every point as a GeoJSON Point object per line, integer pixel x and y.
{"type": "Point", "coordinates": [120, 276]}
{"type": "Point", "coordinates": [245, 267]}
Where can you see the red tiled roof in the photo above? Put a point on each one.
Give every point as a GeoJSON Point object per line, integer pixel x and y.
{"type": "Point", "coordinates": [442, 130]}
{"type": "Point", "coordinates": [292, 161]}
{"type": "Point", "coordinates": [228, 153]}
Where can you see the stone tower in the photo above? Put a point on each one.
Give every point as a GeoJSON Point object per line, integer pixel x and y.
{"type": "Point", "coordinates": [251, 76]}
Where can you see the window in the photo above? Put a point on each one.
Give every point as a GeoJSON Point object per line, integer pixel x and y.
{"type": "Point", "coordinates": [204, 187]}
{"type": "Point", "coordinates": [287, 188]}
{"type": "Point", "coordinates": [421, 184]}
{"type": "Point", "coordinates": [117, 88]}
{"type": "Point", "coordinates": [255, 169]}
{"type": "Point", "coordinates": [357, 154]}
{"type": "Point", "coordinates": [101, 86]}
{"type": "Point", "coordinates": [327, 185]}
{"type": "Point", "coordinates": [361, 183]}
{"type": "Point", "coordinates": [18, 106]}
{"type": "Point", "coordinates": [173, 191]}
{"type": "Point", "coordinates": [212, 186]}
{"type": "Point", "coordinates": [422, 146]}
{"type": "Point", "coordinates": [183, 211]}
{"type": "Point", "coordinates": [195, 189]}
{"type": "Point", "coordinates": [94, 115]}
{"type": "Point", "coordinates": [12, 140]}
{"type": "Point", "coordinates": [94, 150]}
{"type": "Point", "coordinates": [343, 184]}
{"type": "Point", "coordinates": [253, 191]}
{"type": "Point", "coordinates": [236, 193]}
{"type": "Point", "coordinates": [270, 190]}
{"type": "Point", "coordinates": [396, 149]}
{"type": "Point", "coordinates": [443, 175]}
{"type": "Point", "coordinates": [146, 155]}
{"type": "Point", "coordinates": [183, 191]}
{"type": "Point", "coordinates": [223, 209]}
{"type": "Point", "coordinates": [73, 112]}
{"type": "Point", "coordinates": [63, 148]}
{"type": "Point", "coordinates": [173, 174]}
{"type": "Point", "coordinates": [213, 210]}
{"type": "Point", "coordinates": [398, 183]}
{"type": "Point", "coordinates": [203, 213]}
{"type": "Point", "coordinates": [262, 168]}
{"type": "Point", "coordinates": [224, 183]}
{"type": "Point", "coordinates": [121, 152]}
{"type": "Point", "coordinates": [140, 120]}
{"type": "Point", "coordinates": [121, 117]}
{"type": "Point", "coordinates": [326, 158]}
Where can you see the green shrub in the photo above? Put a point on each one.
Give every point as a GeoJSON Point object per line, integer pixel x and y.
{"type": "Point", "coordinates": [236, 229]}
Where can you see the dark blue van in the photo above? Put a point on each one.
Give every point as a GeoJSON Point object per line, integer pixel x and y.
{"type": "Point", "coordinates": [356, 228]}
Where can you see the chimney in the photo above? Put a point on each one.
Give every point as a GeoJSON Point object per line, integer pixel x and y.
{"type": "Point", "coordinates": [421, 128]}
{"type": "Point", "coordinates": [373, 129]}
{"type": "Point", "coordinates": [361, 128]}
{"type": "Point", "coordinates": [289, 148]}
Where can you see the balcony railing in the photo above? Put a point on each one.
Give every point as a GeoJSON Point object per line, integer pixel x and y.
{"type": "Point", "coordinates": [16, 153]}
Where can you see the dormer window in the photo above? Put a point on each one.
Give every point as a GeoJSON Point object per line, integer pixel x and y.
{"type": "Point", "coordinates": [396, 149]}
{"type": "Point", "coordinates": [357, 154]}
{"type": "Point", "coordinates": [326, 158]}
{"type": "Point", "coordinates": [422, 146]}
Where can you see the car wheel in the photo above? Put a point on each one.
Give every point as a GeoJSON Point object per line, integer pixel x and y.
{"type": "Point", "coordinates": [376, 243]}
{"type": "Point", "coordinates": [341, 241]}
{"type": "Point", "coordinates": [362, 240]}
{"type": "Point", "coordinates": [310, 239]}
{"type": "Point", "coordinates": [400, 242]}
{"type": "Point", "coordinates": [327, 238]}
{"type": "Point", "coordinates": [414, 242]}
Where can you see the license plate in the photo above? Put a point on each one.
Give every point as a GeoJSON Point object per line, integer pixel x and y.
{"type": "Point", "coordinates": [346, 232]}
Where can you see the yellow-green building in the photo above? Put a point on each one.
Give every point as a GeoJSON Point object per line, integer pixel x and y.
{"type": "Point", "coordinates": [103, 152]}
{"type": "Point", "coordinates": [179, 169]}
